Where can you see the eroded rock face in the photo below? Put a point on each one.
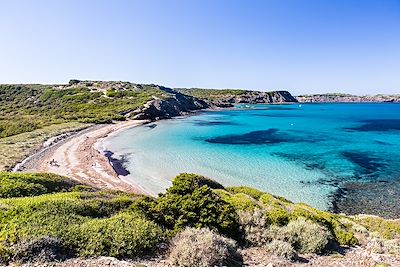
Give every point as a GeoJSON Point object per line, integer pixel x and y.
{"type": "Point", "coordinates": [175, 105]}
{"type": "Point", "coordinates": [254, 97]}
{"type": "Point", "coordinates": [344, 98]}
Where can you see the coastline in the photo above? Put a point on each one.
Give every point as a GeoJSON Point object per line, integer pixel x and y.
{"type": "Point", "coordinates": [78, 156]}
{"type": "Point", "coordinates": [84, 156]}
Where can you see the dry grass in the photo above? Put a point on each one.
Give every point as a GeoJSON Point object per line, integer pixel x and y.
{"type": "Point", "coordinates": [15, 148]}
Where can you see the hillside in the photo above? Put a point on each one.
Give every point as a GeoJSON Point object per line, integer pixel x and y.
{"type": "Point", "coordinates": [45, 217]}
{"type": "Point", "coordinates": [30, 114]}
{"type": "Point", "coordinates": [345, 98]}
{"type": "Point", "coordinates": [228, 97]}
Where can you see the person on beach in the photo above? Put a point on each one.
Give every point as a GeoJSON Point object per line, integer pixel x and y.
{"type": "Point", "coordinates": [53, 162]}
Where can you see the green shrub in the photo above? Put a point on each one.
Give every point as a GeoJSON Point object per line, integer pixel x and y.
{"type": "Point", "coordinates": [191, 202]}
{"type": "Point", "coordinates": [32, 184]}
{"type": "Point", "coordinates": [239, 201]}
{"type": "Point", "coordinates": [278, 216]}
{"type": "Point", "coordinates": [54, 214]}
{"type": "Point", "coordinates": [82, 188]}
{"type": "Point", "coordinates": [186, 183]}
{"type": "Point", "coordinates": [202, 248]}
{"type": "Point", "coordinates": [281, 249]}
{"type": "Point", "coordinates": [306, 236]}
{"type": "Point", "coordinates": [254, 193]}
{"type": "Point", "coordinates": [123, 235]}
{"type": "Point", "coordinates": [386, 229]}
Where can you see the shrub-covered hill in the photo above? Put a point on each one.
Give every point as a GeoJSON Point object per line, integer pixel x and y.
{"type": "Point", "coordinates": [202, 223]}
{"type": "Point", "coordinates": [30, 114]}
{"type": "Point", "coordinates": [24, 108]}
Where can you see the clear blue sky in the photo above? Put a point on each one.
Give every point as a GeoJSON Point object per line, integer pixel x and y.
{"type": "Point", "coordinates": [304, 46]}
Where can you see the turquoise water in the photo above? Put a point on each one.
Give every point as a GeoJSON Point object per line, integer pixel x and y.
{"type": "Point", "coordinates": [306, 153]}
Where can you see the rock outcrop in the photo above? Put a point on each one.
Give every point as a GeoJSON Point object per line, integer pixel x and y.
{"type": "Point", "coordinates": [175, 105]}
{"type": "Point", "coordinates": [175, 102]}
{"type": "Point", "coordinates": [228, 97]}
{"type": "Point", "coordinates": [257, 97]}
{"type": "Point", "coordinates": [346, 98]}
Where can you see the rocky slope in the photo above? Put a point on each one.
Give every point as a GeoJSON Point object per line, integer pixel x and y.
{"type": "Point", "coordinates": [169, 102]}
{"type": "Point", "coordinates": [346, 98]}
{"type": "Point", "coordinates": [255, 97]}
{"type": "Point", "coordinates": [174, 105]}
{"type": "Point", "coordinates": [228, 97]}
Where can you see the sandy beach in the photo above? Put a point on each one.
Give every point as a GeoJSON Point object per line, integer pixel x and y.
{"type": "Point", "coordinates": [78, 157]}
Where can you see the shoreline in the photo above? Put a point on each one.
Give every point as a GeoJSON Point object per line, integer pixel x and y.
{"type": "Point", "coordinates": [78, 157]}
{"type": "Point", "coordinates": [84, 156]}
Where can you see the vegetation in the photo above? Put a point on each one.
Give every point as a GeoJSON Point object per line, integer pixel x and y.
{"type": "Point", "coordinates": [282, 249]}
{"type": "Point", "coordinates": [306, 236]}
{"type": "Point", "coordinates": [191, 202]}
{"type": "Point", "coordinates": [211, 94]}
{"type": "Point", "coordinates": [32, 113]}
{"type": "Point", "coordinates": [48, 217]}
{"type": "Point", "coordinates": [17, 147]}
{"type": "Point", "coordinates": [202, 248]}
{"type": "Point", "coordinates": [22, 185]}
{"type": "Point", "coordinates": [25, 108]}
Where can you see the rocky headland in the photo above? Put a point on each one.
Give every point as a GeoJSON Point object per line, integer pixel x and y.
{"type": "Point", "coordinates": [177, 102]}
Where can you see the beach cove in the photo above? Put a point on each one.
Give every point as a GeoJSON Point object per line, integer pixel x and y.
{"type": "Point", "coordinates": [338, 157]}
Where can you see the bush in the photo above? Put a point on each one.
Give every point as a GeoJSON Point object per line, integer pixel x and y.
{"type": "Point", "coordinates": [306, 236]}
{"type": "Point", "coordinates": [57, 215]}
{"type": "Point", "coordinates": [278, 216]}
{"type": "Point", "coordinates": [123, 235]}
{"type": "Point", "coordinates": [254, 193]}
{"type": "Point", "coordinates": [190, 202]}
{"type": "Point", "coordinates": [40, 249]}
{"type": "Point", "coordinates": [239, 201]}
{"type": "Point", "coordinates": [32, 184]}
{"type": "Point", "coordinates": [202, 248]}
{"type": "Point", "coordinates": [386, 229]}
{"type": "Point", "coordinates": [186, 183]}
{"type": "Point", "coordinates": [281, 249]}
{"type": "Point", "coordinates": [82, 188]}
{"type": "Point", "coordinates": [255, 227]}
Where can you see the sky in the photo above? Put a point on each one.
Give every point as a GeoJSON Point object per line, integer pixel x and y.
{"type": "Point", "coordinates": [304, 46]}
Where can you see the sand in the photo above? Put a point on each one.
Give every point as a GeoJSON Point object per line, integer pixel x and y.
{"type": "Point", "coordinates": [77, 157]}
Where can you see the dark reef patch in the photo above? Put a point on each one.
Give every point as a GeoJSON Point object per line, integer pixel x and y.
{"type": "Point", "coordinates": [367, 163]}
{"type": "Point", "coordinates": [151, 126]}
{"type": "Point", "coordinates": [376, 198]}
{"type": "Point", "coordinates": [117, 164]}
{"type": "Point", "coordinates": [379, 125]}
{"type": "Point", "coordinates": [270, 136]}
{"type": "Point", "coordinates": [382, 143]}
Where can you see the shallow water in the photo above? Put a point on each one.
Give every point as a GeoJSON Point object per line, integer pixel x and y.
{"type": "Point", "coordinates": [307, 153]}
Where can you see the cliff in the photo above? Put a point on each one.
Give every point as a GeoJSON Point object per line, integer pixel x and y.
{"type": "Point", "coordinates": [228, 97]}
{"type": "Point", "coordinates": [175, 104]}
{"type": "Point", "coordinates": [347, 98]}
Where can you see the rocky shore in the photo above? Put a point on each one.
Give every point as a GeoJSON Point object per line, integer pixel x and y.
{"type": "Point", "coordinates": [347, 98]}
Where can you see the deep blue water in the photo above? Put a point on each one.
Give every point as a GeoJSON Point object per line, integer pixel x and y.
{"type": "Point", "coordinates": [307, 153]}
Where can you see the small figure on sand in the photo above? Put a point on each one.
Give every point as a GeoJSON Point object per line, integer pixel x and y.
{"type": "Point", "coordinates": [53, 162]}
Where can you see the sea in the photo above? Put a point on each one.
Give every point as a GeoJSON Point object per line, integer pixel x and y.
{"type": "Point", "coordinates": [337, 157]}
